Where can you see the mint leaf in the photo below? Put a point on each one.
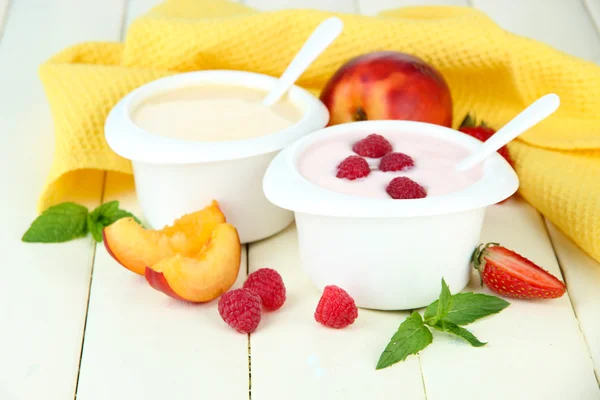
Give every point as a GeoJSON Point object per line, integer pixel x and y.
{"type": "Point", "coordinates": [108, 219]}
{"type": "Point", "coordinates": [110, 212]}
{"type": "Point", "coordinates": [105, 215]}
{"type": "Point", "coordinates": [444, 305]}
{"type": "Point", "coordinates": [454, 329]}
{"type": "Point", "coordinates": [59, 223]}
{"type": "Point", "coordinates": [412, 336]}
{"type": "Point", "coordinates": [95, 228]}
{"type": "Point", "coordinates": [105, 208]}
{"type": "Point", "coordinates": [468, 307]}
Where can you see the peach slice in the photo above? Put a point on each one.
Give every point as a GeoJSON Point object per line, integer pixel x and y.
{"type": "Point", "coordinates": [135, 247]}
{"type": "Point", "coordinates": [205, 276]}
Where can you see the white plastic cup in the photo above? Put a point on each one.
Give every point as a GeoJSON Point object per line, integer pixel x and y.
{"type": "Point", "coordinates": [174, 177]}
{"type": "Point", "coordinates": [388, 254]}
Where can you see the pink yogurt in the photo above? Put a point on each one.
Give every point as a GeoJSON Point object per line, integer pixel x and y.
{"type": "Point", "coordinates": [434, 165]}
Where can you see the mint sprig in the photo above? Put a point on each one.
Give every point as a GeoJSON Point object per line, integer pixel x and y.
{"type": "Point", "coordinates": [446, 314]}
{"type": "Point", "coordinates": [468, 307]}
{"type": "Point", "coordinates": [104, 215]}
{"type": "Point", "coordinates": [444, 306]}
{"type": "Point", "coordinates": [59, 223]}
{"type": "Point", "coordinates": [452, 328]}
{"type": "Point", "coordinates": [68, 221]}
{"type": "Point", "coordinates": [412, 336]}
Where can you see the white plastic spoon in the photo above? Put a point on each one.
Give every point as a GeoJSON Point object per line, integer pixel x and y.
{"type": "Point", "coordinates": [532, 115]}
{"type": "Point", "coordinates": [319, 40]}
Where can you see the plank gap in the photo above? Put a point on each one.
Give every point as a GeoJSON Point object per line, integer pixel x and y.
{"type": "Point", "coordinates": [4, 14]}
{"type": "Point", "coordinates": [89, 294]}
{"type": "Point", "coordinates": [124, 17]}
{"type": "Point", "coordinates": [249, 369]}
{"type": "Point", "coordinates": [247, 247]}
{"type": "Point", "coordinates": [421, 365]}
{"type": "Point", "coordinates": [564, 277]}
{"type": "Point", "coordinates": [422, 377]}
{"type": "Point", "coordinates": [591, 13]}
{"type": "Point", "coordinates": [571, 300]}
{"type": "Point", "coordinates": [95, 247]}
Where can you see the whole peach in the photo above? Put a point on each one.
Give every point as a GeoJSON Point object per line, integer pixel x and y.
{"type": "Point", "coordinates": [388, 85]}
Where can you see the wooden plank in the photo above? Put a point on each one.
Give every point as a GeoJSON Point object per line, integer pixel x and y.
{"type": "Point", "coordinates": [564, 24]}
{"type": "Point", "coordinates": [346, 6]}
{"type": "Point", "coordinates": [4, 7]}
{"type": "Point", "coordinates": [139, 343]}
{"type": "Point", "coordinates": [146, 344]}
{"type": "Point", "coordinates": [443, 376]}
{"type": "Point", "coordinates": [139, 7]}
{"type": "Point", "coordinates": [535, 349]}
{"type": "Point", "coordinates": [582, 275]}
{"type": "Point", "coordinates": [370, 7]}
{"type": "Point", "coordinates": [593, 8]}
{"type": "Point", "coordinates": [578, 35]}
{"type": "Point", "coordinates": [44, 289]}
{"type": "Point", "coordinates": [293, 354]}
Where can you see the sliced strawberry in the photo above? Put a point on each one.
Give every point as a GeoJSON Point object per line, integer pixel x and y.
{"type": "Point", "coordinates": [511, 275]}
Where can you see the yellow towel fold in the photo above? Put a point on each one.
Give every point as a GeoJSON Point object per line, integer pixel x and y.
{"type": "Point", "coordinates": [491, 72]}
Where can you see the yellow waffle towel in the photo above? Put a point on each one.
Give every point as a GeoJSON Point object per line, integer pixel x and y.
{"type": "Point", "coordinates": [491, 72]}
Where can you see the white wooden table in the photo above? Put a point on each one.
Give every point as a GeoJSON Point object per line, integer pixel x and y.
{"type": "Point", "coordinates": [75, 324]}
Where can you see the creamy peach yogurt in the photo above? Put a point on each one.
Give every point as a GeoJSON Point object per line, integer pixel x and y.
{"type": "Point", "coordinates": [213, 113]}
{"type": "Point", "coordinates": [201, 136]}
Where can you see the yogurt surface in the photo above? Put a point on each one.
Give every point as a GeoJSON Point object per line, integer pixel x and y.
{"type": "Point", "coordinates": [213, 113]}
{"type": "Point", "coordinates": [434, 161]}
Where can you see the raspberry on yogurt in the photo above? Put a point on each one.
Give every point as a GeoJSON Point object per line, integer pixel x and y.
{"type": "Point", "coordinates": [428, 162]}
{"type": "Point", "coordinates": [353, 167]}
{"type": "Point", "coordinates": [373, 146]}
{"type": "Point", "coordinates": [405, 188]}
{"type": "Point", "coordinates": [396, 162]}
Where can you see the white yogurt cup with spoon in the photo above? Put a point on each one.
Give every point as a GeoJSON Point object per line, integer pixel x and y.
{"type": "Point", "coordinates": [392, 254]}
{"type": "Point", "coordinates": [205, 135]}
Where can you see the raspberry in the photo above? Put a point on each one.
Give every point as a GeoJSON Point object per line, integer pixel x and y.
{"type": "Point", "coordinates": [336, 309]}
{"type": "Point", "coordinates": [396, 162]}
{"type": "Point", "coordinates": [373, 146]}
{"type": "Point", "coordinates": [241, 309]}
{"type": "Point", "coordinates": [268, 285]}
{"type": "Point", "coordinates": [405, 188]}
{"type": "Point", "coordinates": [353, 167]}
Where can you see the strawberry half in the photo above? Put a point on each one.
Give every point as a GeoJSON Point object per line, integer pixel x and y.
{"type": "Point", "coordinates": [482, 132]}
{"type": "Point", "coordinates": [511, 275]}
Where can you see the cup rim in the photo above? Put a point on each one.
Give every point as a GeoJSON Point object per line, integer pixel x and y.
{"type": "Point", "coordinates": [130, 141]}
{"type": "Point", "coordinates": [286, 187]}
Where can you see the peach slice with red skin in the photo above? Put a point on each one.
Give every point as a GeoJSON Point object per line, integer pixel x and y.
{"type": "Point", "coordinates": [135, 247]}
{"type": "Point", "coordinates": [205, 276]}
{"type": "Point", "coordinates": [158, 282]}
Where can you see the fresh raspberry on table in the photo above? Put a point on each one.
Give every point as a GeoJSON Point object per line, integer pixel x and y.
{"type": "Point", "coordinates": [336, 309]}
{"type": "Point", "coordinates": [268, 285]}
{"type": "Point", "coordinates": [241, 309]}
{"type": "Point", "coordinates": [396, 162]}
{"type": "Point", "coordinates": [353, 167]}
{"type": "Point", "coordinates": [373, 146]}
{"type": "Point", "coordinates": [405, 188]}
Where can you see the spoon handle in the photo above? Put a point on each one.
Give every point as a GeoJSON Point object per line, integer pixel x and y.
{"type": "Point", "coordinates": [318, 41]}
{"type": "Point", "coordinates": [532, 115]}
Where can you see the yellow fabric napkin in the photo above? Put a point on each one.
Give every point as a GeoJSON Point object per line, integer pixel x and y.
{"type": "Point", "coordinates": [490, 72]}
